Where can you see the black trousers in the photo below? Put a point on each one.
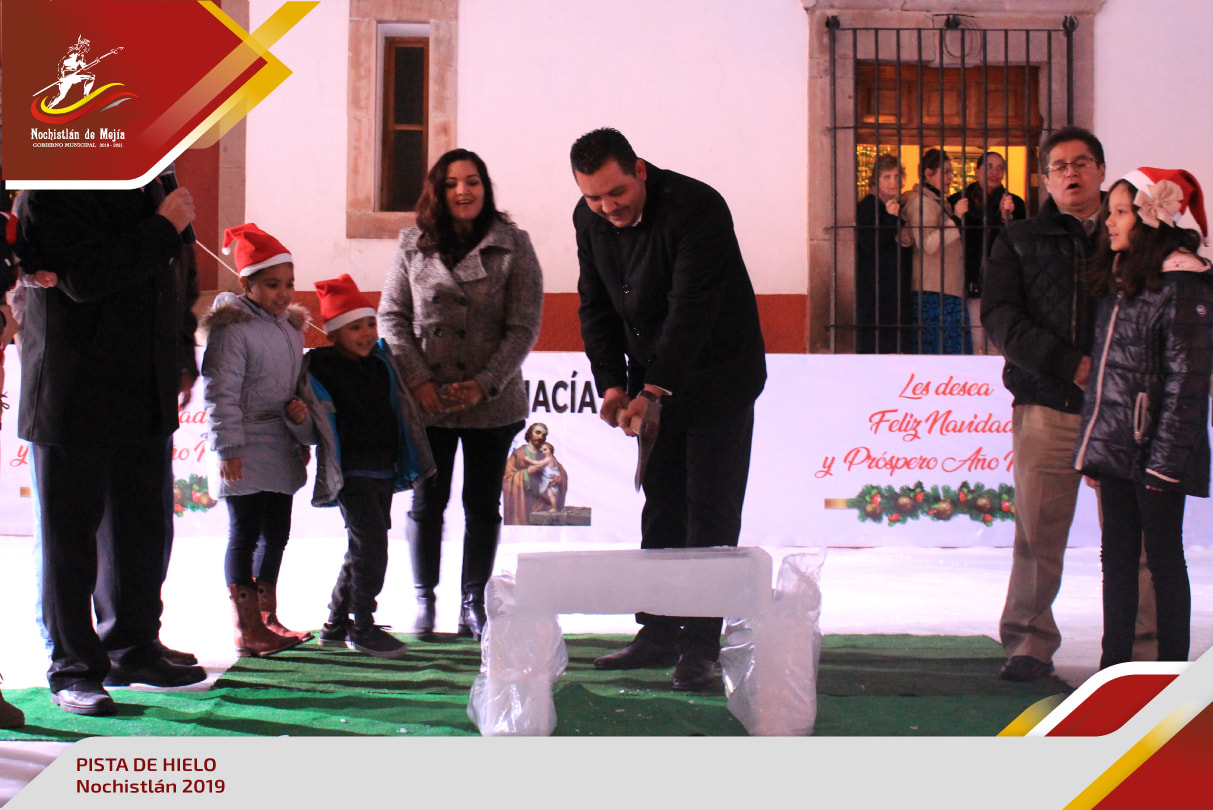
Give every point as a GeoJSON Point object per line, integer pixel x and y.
{"type": "Point", "coordinates": [102, 605]}
{"type": "Point", "coordinates": [366, 505]}
{"type": "Point", "coordinates": [1133, 515]}
{"type": "Point", "coordinates": [485, 451]}
{"type": "Point", "coordinates": [103, 539]}
{"type": "Point", "coordinates": [694, 489]}
{"type": "Point", "coordinates": [259, 525]}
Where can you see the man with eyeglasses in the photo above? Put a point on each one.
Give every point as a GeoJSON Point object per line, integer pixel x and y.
{"type": "Point", "coordinates": [1038, 313]}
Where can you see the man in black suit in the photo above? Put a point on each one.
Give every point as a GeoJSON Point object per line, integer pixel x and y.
{"type": "Point", "coordinates": [668, 315]}
{"type": "Point", "coordinates": [106, 356]}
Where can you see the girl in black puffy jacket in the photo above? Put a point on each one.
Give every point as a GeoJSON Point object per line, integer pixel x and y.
{"type": "Point", "coordinates": [1145, 421]}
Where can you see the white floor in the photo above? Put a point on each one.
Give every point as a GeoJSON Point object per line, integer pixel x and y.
{"type": "Point", "coordinates": [875, 590]}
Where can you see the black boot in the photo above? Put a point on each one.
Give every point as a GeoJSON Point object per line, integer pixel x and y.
{"type": "Point", "coordinates": [425, 549]}
{"type": "Point", "coordinates": [424, 627]}
{"type": "Point", "coordinates": [479, 553]}
{"type": "Point", "coordinates": [472, 618]}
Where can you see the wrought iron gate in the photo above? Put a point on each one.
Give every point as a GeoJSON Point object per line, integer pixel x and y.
{"type": "Point", "coordinates": [903, 92]}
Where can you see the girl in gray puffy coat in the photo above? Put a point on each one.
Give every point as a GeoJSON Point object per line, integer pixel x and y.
{"type": "Point", "coordinates": [1145, 421]}
{"type": "Point", "coordinates": [258, 430]}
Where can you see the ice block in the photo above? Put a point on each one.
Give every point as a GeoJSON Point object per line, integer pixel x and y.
{"type": "Point", "coordinates": [722, 581]}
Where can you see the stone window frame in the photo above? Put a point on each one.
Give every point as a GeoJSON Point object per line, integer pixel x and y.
{"type": "Point", "coordinates": [910, 14]}
{"type": "Point", "coordinates": [363, 220]}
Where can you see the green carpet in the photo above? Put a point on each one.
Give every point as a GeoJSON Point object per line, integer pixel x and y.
{"type": "Point", "coordinates": [868, 685]}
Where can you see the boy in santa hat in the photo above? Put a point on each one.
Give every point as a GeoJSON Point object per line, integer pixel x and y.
{"type": "Point", "coordinates": [371, 444]}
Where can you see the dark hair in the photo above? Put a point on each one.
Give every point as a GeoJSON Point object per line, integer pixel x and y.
{"type": "Point", "coordinates": [981, 161]}
{"type": "Point", "coordinates": [437, 228]}
{"type": "Point", "coordinates": [1141, 266]}
{"type": "Point", "coordinates": [592, 150]}
{"type": "Point", "coordinates": [527, 436]}
{"type": "Point", "coordinates": [975, 192]}
{"type": "Point", "coordinates": [1070, 134]}
{"type": "Point", "coordinates": [884, 162]}
{"type": "Point", "coordinates": [932, 160]}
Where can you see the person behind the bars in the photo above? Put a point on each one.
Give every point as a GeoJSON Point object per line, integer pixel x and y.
{"type": "Point", "coordinates": [991, 205]}
{"type": "Point", "coordinates": [939, 311]}
{"type": "Point", "coordinates": [884, 256]}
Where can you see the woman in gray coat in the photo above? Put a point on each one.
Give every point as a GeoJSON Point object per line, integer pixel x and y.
{"type": "Point", "coordinates": [460, 310]}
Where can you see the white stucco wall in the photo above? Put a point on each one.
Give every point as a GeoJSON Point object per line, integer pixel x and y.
{"type": "Point", "coordinates": [712, 88]}
{"type": "Point", "coordinates": [1153, 72]}
{"type": "Point", "coordinates": [296, 151]}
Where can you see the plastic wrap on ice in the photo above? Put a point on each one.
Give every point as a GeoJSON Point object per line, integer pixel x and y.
{"type": "Point", "coordinates": [521, 655]}
{"type": "Point", "coordinates": [770, 661]}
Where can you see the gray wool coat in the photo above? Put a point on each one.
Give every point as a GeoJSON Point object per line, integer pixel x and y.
{"type": "Point", "coordinates": [250, 370]}
{"type": "Point", "coordinates": [475, 322]}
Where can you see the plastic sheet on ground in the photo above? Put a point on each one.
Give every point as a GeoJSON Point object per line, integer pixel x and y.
{"type": "Point", "coordinates": [521, 656]}
{"type": "Point", "coordinates": [770, 662]}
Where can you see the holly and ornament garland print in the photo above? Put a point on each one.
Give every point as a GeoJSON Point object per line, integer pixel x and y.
{"type": "Point", "coordinates": [192, 495]}
{"type": "Point", "coordinates": [977, 501]}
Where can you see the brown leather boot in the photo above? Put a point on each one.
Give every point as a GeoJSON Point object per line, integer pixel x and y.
{"type": "Point", "coordinates": [253, 638]}
{"type": "Point", "coordinates": [267, 594]}
{"type": "Point", "coordinates": [10, 715]}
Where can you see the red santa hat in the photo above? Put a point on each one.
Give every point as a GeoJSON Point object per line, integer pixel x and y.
{"type": "Point", "coordinates": [341, 303]}
{"type": "Point", "coordinates": [255, 249]}
{"type": "Point", "coordinates": [1163, 195]}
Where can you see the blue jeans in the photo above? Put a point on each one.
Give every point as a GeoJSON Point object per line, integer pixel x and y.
{"type": "Point", "coordinates": [943, 322]}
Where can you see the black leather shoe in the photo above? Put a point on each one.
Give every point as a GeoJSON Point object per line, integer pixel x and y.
{"type": "Point", "coordinates": [181, 659]}
{"type": "Point", "coordinates": [1025, 668]}
{"type": "Point", "coordinates": [472, 619]}
{"type": "Point", "coordinates": [85, 697]}
{"type": "Point", "coordinates": [640, 654]}
{"type": "Point", "coordinates": [693, 673]}
{"type": "Point", "coordinates": [158, 673]}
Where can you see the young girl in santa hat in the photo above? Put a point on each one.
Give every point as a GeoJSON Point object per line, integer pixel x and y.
{"type": "Point", "coordinates": [258, 429]}
{"type": "Point", "coordinates": [1145, 420]}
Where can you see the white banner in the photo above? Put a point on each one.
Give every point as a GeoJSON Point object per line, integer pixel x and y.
{"type": "Point", "coordinates": [841, 445]}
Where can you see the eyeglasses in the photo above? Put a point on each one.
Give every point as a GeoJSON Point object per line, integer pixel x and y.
{"type": "Point", "coordinates": [1080, 165]}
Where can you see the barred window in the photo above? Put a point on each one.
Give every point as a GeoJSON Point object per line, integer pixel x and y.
{"type": "Point", "coordinates": [907, 264]}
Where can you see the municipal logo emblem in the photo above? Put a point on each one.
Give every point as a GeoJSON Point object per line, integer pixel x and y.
{"type": "Point", "coordinates": [72, 95]}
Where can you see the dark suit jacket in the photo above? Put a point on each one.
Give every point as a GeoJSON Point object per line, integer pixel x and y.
{"type": "Point", "coordinates": [669, 302]}
{"type": "Point", "coordinates": [102, 352]}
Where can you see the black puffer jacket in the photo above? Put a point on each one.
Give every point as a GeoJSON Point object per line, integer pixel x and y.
{"type": "Point", "coordinates": [1036, 309]}
{"type": "Point", "coordinates": [1147, 414]}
